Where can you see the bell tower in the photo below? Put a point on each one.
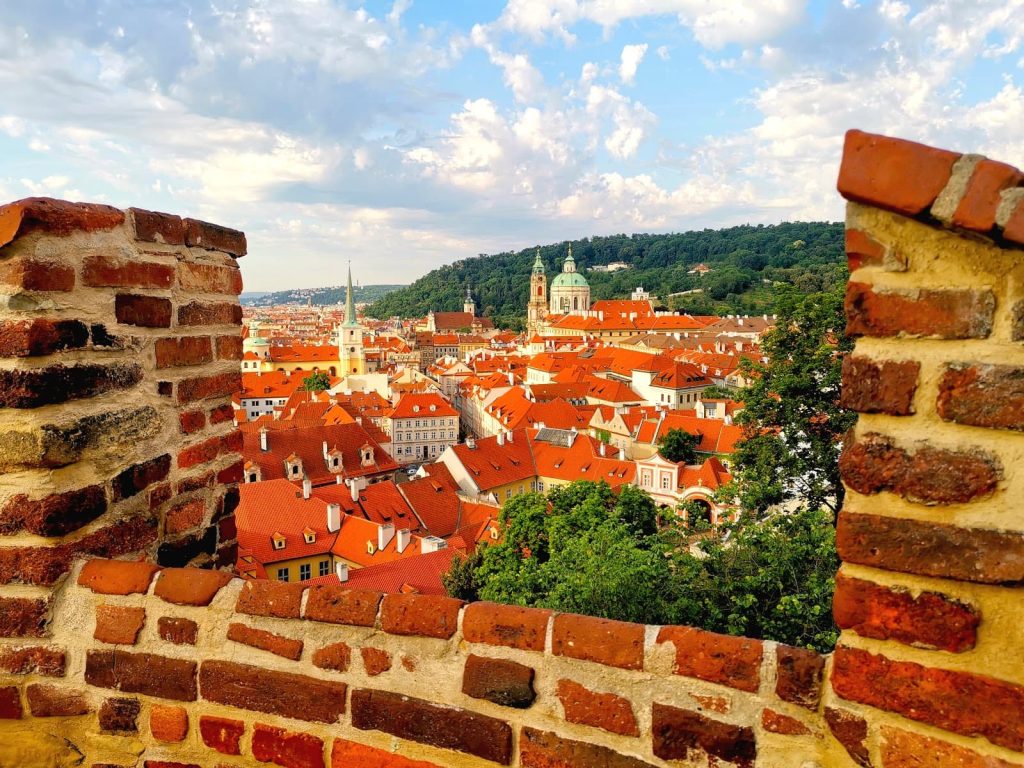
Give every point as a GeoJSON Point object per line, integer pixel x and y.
{"type": "Point", "coordinates": [468, 305]}
{"type": "Point", "coordinates": [350, 336]}
{"type": "Point", "coordinates": [536, 307]}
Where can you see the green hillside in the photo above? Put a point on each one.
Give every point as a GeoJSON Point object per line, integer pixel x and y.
{"type": "Point", "coordinates": [748, 262]}
{"type": "Point", "coordinates": [318, 296]}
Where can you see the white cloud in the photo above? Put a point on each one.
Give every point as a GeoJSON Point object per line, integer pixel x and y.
{"type": "Point", "coordinates": [630, 60]}
{"type": "Point", "coordinates": [664, 52]}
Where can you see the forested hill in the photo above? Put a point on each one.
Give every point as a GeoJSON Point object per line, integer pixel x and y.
{"type": "Point", "coordinates": [330, 295]}
{"type": "Point", "coordinates": [747, 263]}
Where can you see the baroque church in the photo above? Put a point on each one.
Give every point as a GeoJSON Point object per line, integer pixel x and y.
{"type": "Point", "coordinates": [570, 293]}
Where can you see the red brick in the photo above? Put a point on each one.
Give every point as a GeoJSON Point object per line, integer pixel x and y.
{"type": "Point", "coordinates": [222, 734]}
{"type": "Point", "coordinates": [23, 616]}
{"type": "Point", "coordinates": [229, 347]}
{"type": "Point", "coordinates": [138, 477]}
{"type": "Point", "coordinates": [938, 313]}
{"type": "Point", "coordinates": [349, 754]}
{"type": "Point", "coordinates": [983, 396]}
{"type": "Point", "coordinates": [338, 605]}
{"type": "Point", "coordinates": [210, 313]}
{"type": "Point", "coordinates": [600, 710]}
{"type": "Point", "coordinates": [185, 516]}
{"type": "Point", "coordinates": [10, 703]}
{"type": "Point", "coordinates": [222, 413]}
{"type": "Point", "coordinates": [375, 661]}
{"type": "Point", "coordinates": [499, 681]}
{"type": "Point", "coordinates": [143, 311]}
{"type": "Point", "coordinates": [190, 586]}
{"type": "Point", "coordinates": [177, 630]}
{"type": "Point", "coordinates": [279, 645]}
{"type": "Point", "coordinates": [192, 421]}
{"type": "Point", "coordinates": [232, 473]}
{"type": "Point", "coordinates": [188, 485]}
{"type": "Point", "coordinates": [39, 337]}
{"type": "Point", "coordinates": [55, 515]}
{"type": "Point", "coordinates": [160, 495]}
{"type": "Point", "coordinates": [112, 272]}
{"type": "Point", "coordinates": [36, 275]}
{"type": "Point", "coordinates": [270, 598]}
{"type": "Point", "coordinates": [930, 475]}
{"type": "Point", "coordinates": [543, 749]}
{"type": "Point", "coordinates": [281, 747]}
{"type": "Point", "coordinates": [423, 615]}
{"type": "Point", "coordinates": [902, 749]}
{"type": "Point", "coordinates": [200, 453]}
{"type": "Point", "coordinates": [799, 675]}
{"type": "Point", "coordinates": [120, 715]}
{"type": "Point", "coordinates": [613, 643]}
{"type": "Point", "coordinates": [119, 624]}
{"type": "Point", "coordinates": [722, 659]}
{"type": "Point", "coordinates": [117, 577]}
{"type": "Point", "coordinates": [156, 227]}
{"type": "Point", "coordinates": [718, 704]}
{"type": "Point", "coordinates": [1014, 229]}
{"type": "Point", "coordinates": [214, 237]}
{"type": "Point", "coordinates": [60, 383]}
{"type": "Point", "coordinates": [928, 620]}
{"type": "Point", "coordinates": [680, 734]}
{"type": "Point", "coordinates": [183, 350]}
{"type": "Point", "coordinates": [931, 549]}
{"type": "Point", "coordinates": [15, 660]}
{"type": "Point", "coordinates": [206, 387]}
{"type": "Point", "coordinates": [851, 731]}
{"type": "Point", "coordinates": [444, 727]}
{"type": "Point", "coordinates": [960, 702]}
{"type": "Point", "coordinates": [54, 217]}
{"type": "Point", "coordinates": [169, 724]}
{"type": "Point", "coordinates": [895, 174]}
{"type": "Point", "coordinates": [508, 625]}
{"type": "Point", "coordinates": [54, 701]}
{"type": "Point", "coordinates": [776, 722]}
{"type": "Point", "coordinates": [210, 278]}
{"type": "Point", "coordinates": [885, 386]}
{"type": "Point", "coordinates": [862, 250]}
{"type": "Point", "coordinates": [977, 207]}
{"type": "Point", "coordinates": [336, 656]}
{"type": "Point", "coordinates": [276, 693]}
{"type": "Point", "coordinates": [144, 673]}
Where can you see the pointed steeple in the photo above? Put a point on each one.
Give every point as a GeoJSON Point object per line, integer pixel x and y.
{"type": "Point", "coordinates": [538, 265]}
{"type": "Point", "coordinates": [350, 303]}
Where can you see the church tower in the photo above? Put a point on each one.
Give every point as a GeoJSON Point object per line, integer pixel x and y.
{"type": "Point", "coordinates": [350, 337]}
{"type": "Point", "coordinates": [536, 307]}
{"type": "Point", "coordinates": [468, 306]}
{"type": "Point", "coordinates": [570, 291]}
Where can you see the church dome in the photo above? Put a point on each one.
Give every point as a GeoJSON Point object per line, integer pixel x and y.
{"type": "Point", "coordinates": [569, 280]}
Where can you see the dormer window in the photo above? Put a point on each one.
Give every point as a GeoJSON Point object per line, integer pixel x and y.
{"type": "Point", "coordinates": [277, 541]}
{"type": "Point", "coordinates": [293, 467]}
{"type": "Point", "coordinates": [309, 536]}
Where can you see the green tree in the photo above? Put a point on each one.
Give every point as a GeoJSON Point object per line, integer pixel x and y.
{"type": "Point", "coordinates": [679, 445]}
{"type": "Point", "coordinates": [316, 382]}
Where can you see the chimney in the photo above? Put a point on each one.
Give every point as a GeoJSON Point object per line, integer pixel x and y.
{"type": "Point", "coordinates": [501, 438]}
{"type": "Point", "coordinates": [432, 544]}
{"type": "Point", "coordinates": [471, 443]}
{"type": "Point", "coordinates": [339, 479]}
{"type": "Point", "coordinates": [353, 487]}
{"type": "Point", "coordinates": [603, 448]}
{"type": "Point", "coordinates": [509, 435]}
{"type": "Point", "coordinates": [263, 438]}
{"type": "Point", "coordinates": [622, 454]}
{"type": "Point", "coordinates": [341, 570]}
{"type": "Point", "coordinates": [325, 449]}
{"type": "Point", "coordinates": [404, 536]}
{"type": "Point", "coordinates": [385, 534]}
{"type": "Point", "coordinates": [333, 518]}
{"type": "Point", "coordinates": [307, 486]}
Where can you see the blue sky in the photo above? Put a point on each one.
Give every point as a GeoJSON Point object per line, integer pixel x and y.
{"type": "Point", "coordinates": [404, 134]}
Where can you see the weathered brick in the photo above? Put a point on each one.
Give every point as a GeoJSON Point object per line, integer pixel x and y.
{"type": "Point", "coordinates": [192, 421]}
{"type": "Point", "coordinates": [279, 645]}
{"type": "Point", "coordinates": [928, 620]}
{"type": "Point", "coordinates": [874, 463]}
{"type": "Point", "coordinates": [718, 704]}
{"type": "Point", "coordinates": [222, 734]}
{"type": "Point", "coordinates": [188, 485]}
{"type": "Point", "coordinates": [117, 577]}
{"type": "Point", "coordinates": [113, 272]}
{"type": "Point", "coordinates": [894, 174]}
{"type": "Point", "coordinates": [190, 586]}
{"type": "Point", "coordinates": [424, 615]}
{"type": "Point", "coordinates": [177, 630]}
{"type": "Point", "coordinates": [209, 313]}
{"type": "Point", "coordinates": [285, 748]}
{"type": "Point", "coordinates": [799, 675]}
{"type": "Point", "coordinates": [977, 208]}
{"type": "Point", "coordinates": [444, 727]}
{"type": "Point", "coordinates": [182, 551]}
{"type": "Point", "coordinates": [10, 703]}
{"type": "Point", "coordinates": [185, 516]}
{"type": "Point", "coordinates": [214, 237]}
{"type": "Point", "coordinates": [120, 715]}
{"type": "Point", "coordinates": [336, 656]}
{"type": "Point", "coordinates": [111, 431]}
{"type": "Point", "coordinates": [156, 227]}
{"type": "Point", "coordinates": [776, 722]}
{"type": "Point", "coordinates": [37, 275]}
{"type": "Point", "coordinates": [183, 350]}
{"type": "Point", "coordinates": [55, 515]}
{"type": "Point", "coordinates": [375, 661]}
{"type": "Point", "coordinates": [348, 754]}
{"type": "Point", "coordinates": [270, 598]}
{"type": "Point", "coordinates": [499, 681]}
{"type": "Point", "coordinates": [276, 693]}
{"type": "Point", "coordinates": [722, 659]}
{"type": "Point", "coordinates": [983, 396]}
{"type": "Point", "coordinates": [119, 624]}
{"type": "Point", "coordinates": [35, 338]}
{"type": "Point", "coordinates": [613, 643]}
{"type": "Point", "coordinates": [600, 710]}
{"type": "Point", "coordinates": [508, 625]}
{"type": "Point", "coordinates": [851, 731]}
{"type": "Point", "coordinates": [169, 724]}
{"type": "Point", "coordinates": [138, 477]}
{"type": "Point", "coordinates": [232, 473]}
{"type": "Point", "coordinates": [145, 673]}
{"type": "Point", "coordinates": [210, 278]}
{"type": "Point", "coordinates": [206, 387]}
{"type": "Point", "coordinates": [54, 217]}
{"type": "Point", "coordinates": [939, 313]}
{"type": "Point", "coordinates": [15, 660]}
{"type": "Point", "coordinates": [222, 413]}
{"type": "Point", "coordinates": [54, 701]}
{"type": "Point", "coordinates": [862, 250]}
{"type": "Point", "coordinates": [229, 347]}
{"type": "Point", "coordinates": [886, 386]}
{"type": "Point", "coordinates": [338, 605]}
{"type": "Point", "coordinates": [543, 749]}
{"type": "Point", "coordinates": [143, 311]}
{"type": "Point", "coordinates": [961, 702]}
{"type": "Point", "coordinates": [680, 734]}
{"type": "Point", "coordinates": [60, 383]}
{"type": "Point", "coordinates": [903, 749]}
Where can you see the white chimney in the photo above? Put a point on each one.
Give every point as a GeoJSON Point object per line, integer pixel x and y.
{"type": "Point", "coordinates": [339, 479]}
{"type": "Point", "coordinates": [307, 486]}
{"type": "Point", "coordinates": [404, 536]}
{"type": "Point", "coordinates": [385, 534]}
{"type": "Point", "coordinates": [432, 544]}
{"type": "Point", "coordinates": [263, 438]}
{"type": "Point", "coordinates": [325, 449]}
{"type": "Point", "coordinates": [341, 569]}
{"type": "Point", "coordinates": [509, 435]}
{"type": "Point", "coordinates": [470, 443]}
{"type": "Point", "coordinates": [622, 454]}
{"type": "Point", "coordinates": [353, 487]}
{"type": "Point", "coordinates": [501, 438]}
{"type": "Point", "coordinates": [603, 448]}
{"type": "Point", "coordinates": [333, 518]}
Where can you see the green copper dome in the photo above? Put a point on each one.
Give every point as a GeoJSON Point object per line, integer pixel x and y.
{"type": "Point", "coordinates": [569, 280]}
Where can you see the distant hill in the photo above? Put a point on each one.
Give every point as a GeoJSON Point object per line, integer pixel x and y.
{"type": "Point", "coordinates": [747, 264]}
{"type": "Point", "coordinates": [330, 295]}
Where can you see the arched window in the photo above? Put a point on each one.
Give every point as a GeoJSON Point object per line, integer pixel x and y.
{"type": "Point", "coordinates": [575, 302]}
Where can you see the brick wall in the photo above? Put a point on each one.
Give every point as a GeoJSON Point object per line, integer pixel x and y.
{"type": "Point", "coordinates": [126, 663]}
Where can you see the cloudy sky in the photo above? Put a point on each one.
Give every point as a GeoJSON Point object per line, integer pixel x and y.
{"type": "Point", "coordinates": [407, 133]}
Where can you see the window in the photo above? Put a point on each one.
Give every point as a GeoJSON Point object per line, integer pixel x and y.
{"type": "Point", "coordinates": [325, 567]}
{"type": "Point", "coordinates": [282, 574]}
{"type": "Point", "coordinates": [664, 481]}
{"type": "Point", "coordinates": [540, 486]}
{"type": "Point", "coordinates": [508, 493]}
{"type": "Point", "coordinates": [304, 571]}
{"type": "Point", "coordinates": [295, 469]}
